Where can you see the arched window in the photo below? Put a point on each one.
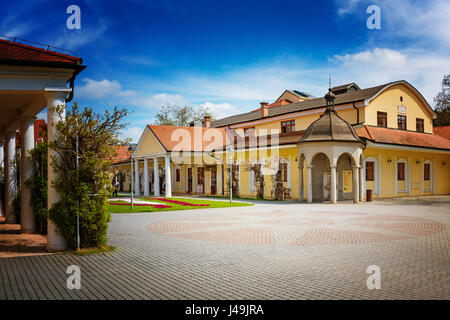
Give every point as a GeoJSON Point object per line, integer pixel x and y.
{"type": "Point", "coordinates": [427, 177]}
{"type": "Point", "coordinates": [370, 175]}
{"type": "Point", "coordinates": [285, 168]}
{"type": "Point", "coordinates": [401, 176]}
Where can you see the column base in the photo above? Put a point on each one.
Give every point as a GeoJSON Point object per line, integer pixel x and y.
{"type": "Point", "coordinates": [55, 241]}
{"type": "Point", "coordinates": [10, 219]}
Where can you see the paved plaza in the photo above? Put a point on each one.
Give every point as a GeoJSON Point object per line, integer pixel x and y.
{"type": "Point", "coordinates": [271, 250]}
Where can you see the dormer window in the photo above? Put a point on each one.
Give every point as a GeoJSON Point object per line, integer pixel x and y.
{"type": "Point", "coordinates": [287, 126]}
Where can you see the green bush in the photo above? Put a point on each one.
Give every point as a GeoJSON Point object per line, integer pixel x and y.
{"type": "Point", "coordinates": [84, 189]}
{"type": "Point", "coordinates": [38, 186]}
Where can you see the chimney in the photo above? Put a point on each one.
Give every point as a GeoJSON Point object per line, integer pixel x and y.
{"type": "Point", "coordinates": [264, 109]}
{"type": "Point", "coordinates": [207, 121]}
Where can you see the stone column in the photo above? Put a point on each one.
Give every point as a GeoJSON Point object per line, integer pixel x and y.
{"type": "Point", "coordinates": [361, 184]}
{"type": "Point", "coordinates": [333, 184]}
{"type": "Point", "coordinates": [55, 240]}
{"type": "Point", "coordinates": [168, 176]}
{"type": "Point", "coordinates": [10, 177]}
{"type": "Point", "coordinates": [146, 185]}
{"type": "Point", "coordinates": [137, 186]}
{"type": "Point", "coordinates": [27, 221]}
{"type": "Point", "coordinates": [300, 184]}
{"type": "Point", "coordinates": [356, 184]}
{"type": "Point", "coordinates": [155, 177]}
{"type": "Point", "coordinates": [309, 183]}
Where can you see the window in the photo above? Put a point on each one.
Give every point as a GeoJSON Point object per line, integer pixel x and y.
{"type": "Point", "coordinates": [287, 126]}
{"type": "Point", "coordinates": [426, 171]}
{"type": "Point", "coordinates": [382, 119]}
{"type": "Point", "coordinates": [200, 175]}
{"type": "Point", "coordinates": [249, 132]}
{"type": "Point", "coordinates": [401, 120]}
{"type": "Point", "coordinates": [370, 167]}
{"type": "Point", "coordinates": [400, 171]}
{"type": "Point", "coordinates": [177, 174]}
{"type": "Point", "coordinates": [284, 171]}
{"type": "Point", "coordinates": [419, 125]}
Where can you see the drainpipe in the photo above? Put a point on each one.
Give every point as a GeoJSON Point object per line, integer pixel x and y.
{"type": "Point", "coordinates": [357, 113]}
{"type": "Point", "coordinates": [72, 82]}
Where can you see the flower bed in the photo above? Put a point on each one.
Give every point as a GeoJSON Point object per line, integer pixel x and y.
{"type": "Point", "coordinates": [160, 206]}
{"type": "Point", "coordinates": [183, 203]}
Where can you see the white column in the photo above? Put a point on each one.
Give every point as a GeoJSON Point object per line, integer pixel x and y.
{"type": "Point", "coordinates": [137, 186]}
{"type": "Point", "coordinates": [300, 184]}
{"type": "Point", "coordinates": [55, 240]}
{"type": "Point", "coordinates": [10, 177]}
{"type": "Point", "coordinates": [146, 185]}
{"type": "Point", "coordinates": [361, 184]}
{"type": "Point", "coordinates": [309, 183]}
{"type": "Point", "coordinates": [356, 184]}
{"type": "Point", "coordinates": [27, 221]}
{"type": "Point", "coordinates": [333, 184]}
{"type": "Point", "coordinates": [155, 177]}
{"type": "Point", "coordinates": [168, 175]}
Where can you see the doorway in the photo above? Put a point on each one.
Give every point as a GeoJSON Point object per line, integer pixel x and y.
{"type": "Point", "coordinates": [189, 188]}
{"type": "Point", "coordinates": [200, 180]}
{"type": "Point", "coordinates": [213, 181]}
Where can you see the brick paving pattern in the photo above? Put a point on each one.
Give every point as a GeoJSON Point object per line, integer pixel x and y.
{"type": "Point", "coordinates": [267, 251]}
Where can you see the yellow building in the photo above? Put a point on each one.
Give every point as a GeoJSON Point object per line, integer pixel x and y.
{"type": "Point", "coordinates": [300, 147]}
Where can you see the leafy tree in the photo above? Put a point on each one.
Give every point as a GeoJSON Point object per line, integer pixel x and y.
{"type": "Point", "coordinates": [442, 101]}
{"type": "Point", "coordinates": [172, 115]}
{"type": "Point", "coordinates": [84, 191]}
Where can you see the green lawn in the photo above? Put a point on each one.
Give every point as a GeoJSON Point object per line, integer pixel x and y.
{"type": "Point", "coordinates": [212, 204]}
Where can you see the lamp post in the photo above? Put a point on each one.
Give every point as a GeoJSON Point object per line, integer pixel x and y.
{"type": "Point", "coordinates": [231, 151]}
{"type": "Point", "coordinates": [131, 149]}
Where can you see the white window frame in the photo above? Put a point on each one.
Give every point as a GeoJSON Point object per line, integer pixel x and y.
{"type": "Point", "coordinates": [406, 176]}
{"type": "Point", "coordinates": [283, 160]}
{"type": "Point", "coordinates": [431, 177]}
{"type": "Point", "coordinates": [375, 174]}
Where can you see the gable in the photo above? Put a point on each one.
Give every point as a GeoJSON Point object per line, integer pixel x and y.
{"type": "Point", "coordinates": [389, 100]}
{"type": "Point", "coordinates": [148, 144]}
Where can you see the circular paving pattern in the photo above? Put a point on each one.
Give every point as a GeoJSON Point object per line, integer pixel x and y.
{"type": "Point", "coordinates": [297, 229]}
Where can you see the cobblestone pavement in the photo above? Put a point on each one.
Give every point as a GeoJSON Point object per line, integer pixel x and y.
{"type": "Point", "coordinates": [267, 251]}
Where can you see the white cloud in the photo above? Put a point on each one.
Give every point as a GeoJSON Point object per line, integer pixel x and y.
{"type": "Point", "coordinates": [113, 92]}
{"type": "Point", "coordinates": [380, 65]}
{"type": "Point", "coordinates": [99, 89]}
{"type": "Point", "coordinates": [220, 110]}
{"type": "Point", "coordinates": [73, 39]}
{"type": "Point", "coordinates": [157, 100]}
{"type": "Point", "coordinates": [42, 115]}
{"type": "Point", "coordinates": [423, 21]}
{"type": "Point", "coordinates": [133, 132]}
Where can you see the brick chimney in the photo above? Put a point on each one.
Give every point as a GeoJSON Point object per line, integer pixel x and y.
{"type": "Point", "coordinates": [264, 109]}
{"type": "Point", "coordinates": [207, 121]}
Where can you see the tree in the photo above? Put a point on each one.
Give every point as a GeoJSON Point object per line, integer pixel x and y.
{"type": "Point", "coordinates": [84, 190]}
{"type": "Point", "coordinates": [172, 115]}
{"type": "Point", "coordinates": [442, 101]}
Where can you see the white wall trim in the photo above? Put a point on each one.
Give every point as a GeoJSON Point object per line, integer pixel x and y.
{"type": "Point", "coordinates": [406, 176]}
{"type": "Point", "coordinates": [431, 176]}
{"type": "Point", "coordinates": [375, 174]}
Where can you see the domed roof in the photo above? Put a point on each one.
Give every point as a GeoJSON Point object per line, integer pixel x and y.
{"type": "Point", "coordinates": [330, 127]}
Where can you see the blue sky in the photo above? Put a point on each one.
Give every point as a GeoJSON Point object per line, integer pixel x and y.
{"type": "Point", "coordinates": [231, 55]}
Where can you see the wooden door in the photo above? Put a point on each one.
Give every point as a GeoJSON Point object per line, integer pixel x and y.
{"type": "Point", "coordinates": [213, 181]}
{"type": "Point", "coordinates": [189, 190]}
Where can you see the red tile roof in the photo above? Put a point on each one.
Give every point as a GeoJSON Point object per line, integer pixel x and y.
{"type": "Point", "coordinates": [19, 53]}
{"type": "Point", "coordinates": [170, 138]}
{"type": "Point", "coordinates": [401, 137]}
{"type": "Point", "coordinates": [443, 131]}
{"type": "Point", "coordinates": [123, 155]}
